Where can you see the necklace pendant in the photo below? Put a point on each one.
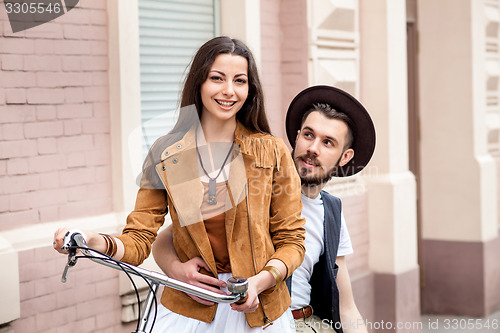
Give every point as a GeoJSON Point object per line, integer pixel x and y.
{"type": "Point", "coordinates": [212, 200]}
{"type": "Point", "coordinates": [212, 192]}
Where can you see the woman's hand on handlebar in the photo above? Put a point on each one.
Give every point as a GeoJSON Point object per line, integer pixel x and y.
{"type": "Point", "coordinates": [252, 302]}
{"type": "Point", "coordinates": [93, 240]}
{"type": "Point", "coordinates": [257, 284]}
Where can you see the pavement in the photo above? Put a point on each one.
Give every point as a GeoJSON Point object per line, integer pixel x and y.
{"type": "Point", "coordinates": [460, 324]}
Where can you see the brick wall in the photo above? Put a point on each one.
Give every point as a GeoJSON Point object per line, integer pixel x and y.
{"type": "Point", "coordinates": [271, 63]}
{"type": "Point", "coordinates": [55, 162]}
{"type": "Point", "coordinates": [294, 50]}
{"type": "Point", "coordinates": [497, 160]}
{"type": "Point", "coordinates": [355, 209]}
{"type": "Point", "coordinates": [87, 302]}
{"type": "Point", "coordinates": [54, 118]}
{"type": "Point", "coordinates": [284, 57]}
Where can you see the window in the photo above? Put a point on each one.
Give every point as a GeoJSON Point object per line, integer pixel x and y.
{"type": "Point", "coordinates": [170, 32]}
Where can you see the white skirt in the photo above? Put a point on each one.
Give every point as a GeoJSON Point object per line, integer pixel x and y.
{"type": "Point", "coordinates": [226, 320]}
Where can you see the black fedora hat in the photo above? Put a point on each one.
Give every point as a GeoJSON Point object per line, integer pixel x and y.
{"type": "Point", "coordinates": [362, 126]}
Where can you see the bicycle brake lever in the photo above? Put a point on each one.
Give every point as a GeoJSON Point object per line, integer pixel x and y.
{"type": "Point", "coordinates": [71, 262]}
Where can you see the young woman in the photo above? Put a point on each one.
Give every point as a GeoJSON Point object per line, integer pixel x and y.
{"type": "Point", "coordinates": [233, 196]}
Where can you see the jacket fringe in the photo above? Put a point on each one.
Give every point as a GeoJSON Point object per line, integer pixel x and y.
{"type": "Point", "coordinates": [260, 148]}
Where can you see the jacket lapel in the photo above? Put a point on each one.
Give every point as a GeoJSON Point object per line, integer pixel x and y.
{"type": "Point", "coordinates": [178, 171]}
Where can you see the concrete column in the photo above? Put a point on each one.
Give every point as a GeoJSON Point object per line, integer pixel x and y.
{"type": "Point", "coordinates": [10, 305]}
{"type": "Point", "coordinates": [391, 186]}
{"type": "Point", "coordinates": [125, 101]}
{"type": "Point", "coordinates": [125, 108]}
{"type": "Point", "coordinates": [241, 19]}
{"type": "Point", "coordinates": [459, 186]}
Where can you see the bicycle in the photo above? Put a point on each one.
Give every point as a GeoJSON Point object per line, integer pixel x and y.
{"type": "Point", "coordinates": [74, 241]}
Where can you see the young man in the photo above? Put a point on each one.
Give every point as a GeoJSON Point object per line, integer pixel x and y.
{"type": "Point", "coordinates": [332, 135]}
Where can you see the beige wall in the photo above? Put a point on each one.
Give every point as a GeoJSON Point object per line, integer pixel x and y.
{"type": "Point", "coordinates": [459, 112]}
{"type": "Point", "coordinates": [392, 188]}
{"type": "Point", "coordinates": [459, 185]}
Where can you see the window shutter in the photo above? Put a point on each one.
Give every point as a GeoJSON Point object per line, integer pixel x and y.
{"type": "Point", "coordinates": [170, 32]}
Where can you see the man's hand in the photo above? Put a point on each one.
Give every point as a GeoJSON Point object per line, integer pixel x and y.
{"type": "Point", "coordinates": [166, 257]}
{"type": "Point", "coordinates": [189, 272]}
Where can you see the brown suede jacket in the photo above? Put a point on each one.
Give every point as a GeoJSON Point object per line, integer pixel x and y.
{"type": "Point", "coordinates": [263, 217]}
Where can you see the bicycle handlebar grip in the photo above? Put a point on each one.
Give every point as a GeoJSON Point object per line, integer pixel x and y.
{"type": "Point", "coordinates": [71, 238]}
{"type": "Point", "coordinates": [238, 285]}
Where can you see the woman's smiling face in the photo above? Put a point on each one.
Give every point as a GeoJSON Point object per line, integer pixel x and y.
{"type": "Point", "coordinates": [226, 88]}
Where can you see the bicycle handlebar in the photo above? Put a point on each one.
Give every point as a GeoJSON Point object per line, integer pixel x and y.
{"type": "Point", "coordinates": [74, 238]}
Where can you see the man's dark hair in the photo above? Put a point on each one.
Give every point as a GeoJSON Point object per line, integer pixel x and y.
{"type": "Point", "coordinates": [331, 113]}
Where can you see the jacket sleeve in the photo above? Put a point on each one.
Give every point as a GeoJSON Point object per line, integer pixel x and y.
{"type": "Point", "coordinates": [143, 224]}
{"type": "Point", "coordinates": [286, 223]}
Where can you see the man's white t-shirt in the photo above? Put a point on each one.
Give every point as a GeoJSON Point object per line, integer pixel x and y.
{"type": "Point", "coordinates": [313, 212]}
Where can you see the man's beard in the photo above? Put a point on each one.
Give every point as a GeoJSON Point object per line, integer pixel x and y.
{"type": "Point", "coordinates": [309, 181]}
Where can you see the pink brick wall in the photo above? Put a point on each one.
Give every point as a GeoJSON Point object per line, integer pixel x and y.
{"type": "Point", "coordinates": [87, 302]}
{"type": "Point", "coordinates": [54, 118]}
{"type": "Point", "coordinates": [294, 50]}
{"type": "Point", "coordinates": [355, 209]}
{"type": "Point", "coordinates": [55, 162]}
{"type": "Point", "coordinates": [271, 63]}
{"type": "Point", "coordinates": [497, 160]}
{"type": "Point", "coordinates": [284, 57]}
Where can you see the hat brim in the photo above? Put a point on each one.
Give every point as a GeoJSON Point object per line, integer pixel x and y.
{"type": "Point", "coordinates": [362, 125]}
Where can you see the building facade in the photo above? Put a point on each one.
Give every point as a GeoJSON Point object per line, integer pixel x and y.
{"type": "Point", "coordinates": [84, 95]}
